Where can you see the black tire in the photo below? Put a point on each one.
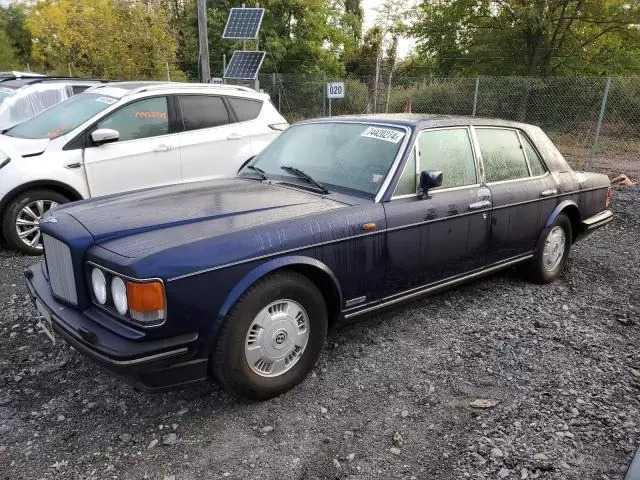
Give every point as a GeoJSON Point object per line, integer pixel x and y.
{"type": "Point", "coordinates": [12, 210]}
{"type": "Point", "coordinates": [228, 362]}
{"type": "Point", "coordinates": [536, 270]}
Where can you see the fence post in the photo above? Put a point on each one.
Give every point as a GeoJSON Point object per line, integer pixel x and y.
{"type": "Point", "coordinates": [324, 96]}
{"type": "Point", "coordinates": [475, 97]}
{"type": "Point", "coordinates": [605, 95]}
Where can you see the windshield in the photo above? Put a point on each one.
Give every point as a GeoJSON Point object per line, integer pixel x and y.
{"type": "Point", "coordinates": [63, 117]}
{"type": "Point", "coordinates": [6, 92]}
{"type": "Point", "coordinates": [354, 156]}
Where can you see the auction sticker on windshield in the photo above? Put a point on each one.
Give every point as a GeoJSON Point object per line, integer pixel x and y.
{"type": "Point", "coordinates": [386, 134]}
{"type": "Point", "coordinates": [107, 100]}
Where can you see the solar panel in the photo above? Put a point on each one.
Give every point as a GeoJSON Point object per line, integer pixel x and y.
{"type": "Point", "coordinates": [243, 23]}
{"type": "Point", "coordinates": [244, 65]}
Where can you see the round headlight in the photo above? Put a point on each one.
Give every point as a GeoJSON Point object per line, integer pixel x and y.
{"type": "Point", "coordinates": [99, 286]}
{"type": "Point", "coordinates": [119, 295]}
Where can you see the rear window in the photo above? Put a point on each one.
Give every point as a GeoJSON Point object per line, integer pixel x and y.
{"type": "Point", "coordinates": [202, 111]}
{"type": "Point", "coordinates": [245, 109]}
{"type": "Point", "coordinates": [6, 92]}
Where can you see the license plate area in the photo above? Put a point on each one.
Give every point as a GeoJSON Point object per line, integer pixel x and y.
{"type": "Point", "coordinates": [44, 322]}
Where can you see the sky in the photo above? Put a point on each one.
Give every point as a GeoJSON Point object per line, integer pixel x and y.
{"type": "Point", "coordinates": [405, 45]}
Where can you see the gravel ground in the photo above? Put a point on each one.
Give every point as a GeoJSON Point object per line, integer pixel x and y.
{"type": "Point", "coordinates": [390, 398]}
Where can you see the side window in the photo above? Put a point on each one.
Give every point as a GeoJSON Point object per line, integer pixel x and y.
{"type": "Point", "coordinates": [407, 183]}
{"type": "Point", "coordinates": [536, 165]}
{"type": "Point", "coordinates": [448, 151]}
{"type": "Point", "coordinates": [245, 109]}
{"type": "Point", "coordinates": [203, 111]}
{"type": "Point", "coordinates": [142, 119]}
{"type": "Point", "coordinates": [502, 155]}
{"type": "Point", "coordinates": [76, 89]}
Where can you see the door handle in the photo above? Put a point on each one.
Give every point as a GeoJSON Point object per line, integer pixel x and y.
{"type": "Point", "coordinates": [480, 205]}
{"type": "Point", "coordinates": [163, 148]}
{"type": "Point", "coordinates": [548, 193]}
{"type": "Point", "coordinates": [234, 136]}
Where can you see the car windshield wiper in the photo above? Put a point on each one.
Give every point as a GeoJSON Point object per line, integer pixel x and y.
{"type": "Point", "coordinates": [258, 170]}
{"type": "Point", "coordinates": [305, 176]}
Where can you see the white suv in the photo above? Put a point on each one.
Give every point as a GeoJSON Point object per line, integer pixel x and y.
{"type": "Point", "coordinates": [126, 136]}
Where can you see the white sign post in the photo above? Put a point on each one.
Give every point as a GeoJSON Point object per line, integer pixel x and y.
{"type": "Point", "coordinates": [334, 90]}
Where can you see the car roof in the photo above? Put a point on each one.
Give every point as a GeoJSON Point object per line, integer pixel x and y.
{"type": "Point", "coordinates": [121, 89]}
{"type": "Point", "coordinates": [421, 120]}
{"type": "Point", "coordinates": [24, 81]}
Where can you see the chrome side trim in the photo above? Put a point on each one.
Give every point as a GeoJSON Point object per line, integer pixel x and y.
{"type": "Point", "coordinates": [267, 255]}
{"type": "Point", "coordinates": [355, 301]}
{"type": "Point", "coordinates": [392, 300]}
{"type": "Point", "coordinates": [328, 242]}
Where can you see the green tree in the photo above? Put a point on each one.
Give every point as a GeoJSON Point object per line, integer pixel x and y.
{"type": "Point", "coordinates": [13, 19]}
{"type": "Point", "coordinates": [7, 54]}
{"type": "Point", "coordinates": [538, 37]}
{"type": "Point", "coordinates": [102, 38]}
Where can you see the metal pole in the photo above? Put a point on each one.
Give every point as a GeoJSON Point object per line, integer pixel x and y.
{"type": "Point", "coordinates": [605, 95]}
{"type": "Point", "coordinates": [475, 97]}
{"type": "Point", "coordinates": [375, 88]}
{"type": "Point", "coordinates": [324, 96]}
{"type": "Point", "coordinates": [224, 64]}
{"type": "Point", "coordinates": [205, 72]}
{"type": "Point", "coordinates": [329, 107]}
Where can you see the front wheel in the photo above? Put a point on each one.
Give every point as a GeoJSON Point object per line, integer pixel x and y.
{"type": "Point", "coordinates": [21, 219]}
{"type": "Point", "coordinates": [552, 251]}
{"type": "Point", "coordinates": [272, 337]}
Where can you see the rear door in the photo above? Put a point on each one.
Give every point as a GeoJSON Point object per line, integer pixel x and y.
{"type": "Point", "coordinates": [259, 120]}
{"type": "Point", "coordinates": [212, 144]}
{"type": "Point", "coordinates": [145, 156]}
{"type": "Point", "coordinates": [523, 192]}
{"type": "Point", "coordinates": [444, 235]}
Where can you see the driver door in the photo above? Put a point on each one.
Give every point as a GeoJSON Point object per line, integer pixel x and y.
{"type": "Point", "coordinates": [445, 234]}
{"type": "Point", "coordinates": [146, 155]}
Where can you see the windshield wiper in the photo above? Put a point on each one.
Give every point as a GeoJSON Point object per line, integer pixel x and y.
{"type": "Point", "coordinates": [258, 170]}
{"type": "Point", "coordinates": [305, 176]}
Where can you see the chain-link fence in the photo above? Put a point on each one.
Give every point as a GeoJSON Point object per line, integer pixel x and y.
{"type": "Point", "coordinates": [594, 121]}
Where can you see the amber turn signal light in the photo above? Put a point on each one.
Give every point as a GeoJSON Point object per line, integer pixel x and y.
{"type": "Point", "coordinates": [146, 300]}
{"type": "Point", "coordinates": [609, 195]}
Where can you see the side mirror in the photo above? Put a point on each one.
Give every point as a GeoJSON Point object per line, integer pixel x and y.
{"type": "Point", "coordinates": [105, 135]}
{"type": "Point", "coordinates": [429, 180]}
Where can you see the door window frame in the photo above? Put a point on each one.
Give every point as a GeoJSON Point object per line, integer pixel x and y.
{"type": "Point", "coordinates": [83, 139]}
{"type": "Point", "coordinates": [519, 134]}
{"type": "Point", "coordinates": [233, 119]}
{"type": "Point", "coordinates": [474, 151]}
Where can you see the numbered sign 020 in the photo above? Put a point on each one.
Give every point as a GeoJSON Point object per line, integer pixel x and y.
{"type": "Point", "coordinates": [335, 90]}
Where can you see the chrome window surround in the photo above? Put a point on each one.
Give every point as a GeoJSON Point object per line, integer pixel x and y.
{"type": "Point", "coordinates": [519, 134]}
{"type": "Point", "coordinates": [113, 312]}
{"type": "Point", "coordinates": [476, 159]}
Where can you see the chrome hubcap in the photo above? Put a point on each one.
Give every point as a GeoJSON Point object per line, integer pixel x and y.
{"type": "Point", "coordinates": [554, 248]}
{"type": "Point", "coordinates": [28, 222]}
{"type": "Point", "coordinates": [277, 338]}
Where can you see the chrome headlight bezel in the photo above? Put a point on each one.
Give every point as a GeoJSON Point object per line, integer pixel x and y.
{"type": "Point", "coordinates": [157, 319]}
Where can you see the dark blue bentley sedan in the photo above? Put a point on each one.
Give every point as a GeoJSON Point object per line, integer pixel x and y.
{"type": "Point", "coordinates": [239, 279]}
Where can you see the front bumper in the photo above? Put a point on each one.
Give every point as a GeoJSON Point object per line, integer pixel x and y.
{"type": "Point", "coordinates": [151, 365]}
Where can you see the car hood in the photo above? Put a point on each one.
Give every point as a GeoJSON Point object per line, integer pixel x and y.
{"type": "Point", "coordinates": [23, 147]}
{"type": "Point", "coordinates": [145, 222]}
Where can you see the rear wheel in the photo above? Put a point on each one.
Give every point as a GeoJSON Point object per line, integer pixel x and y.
{"type": "Point", "coordinates": [21, 220]}
{"type": "Point", "coordinates": [272, 337]}
{"type": "Point", "coordinates": [552, 251]}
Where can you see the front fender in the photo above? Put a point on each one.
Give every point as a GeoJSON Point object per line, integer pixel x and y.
{"type": "Point", "coordinates": [558, 210]}
{"type": "Point", "coordinates": [264, 269]}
